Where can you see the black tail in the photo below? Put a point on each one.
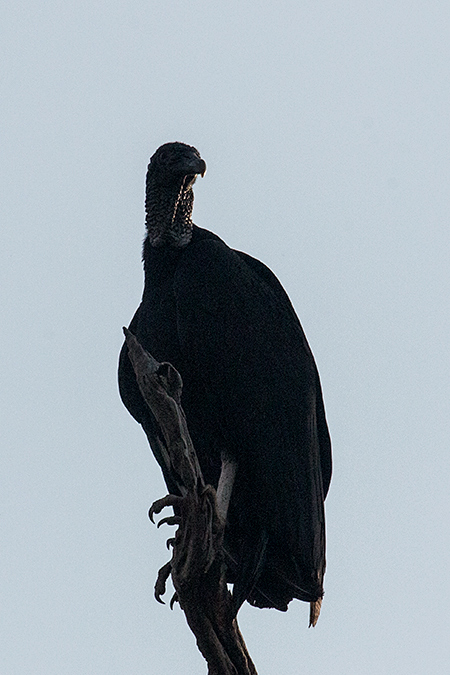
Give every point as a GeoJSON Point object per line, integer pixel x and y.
{"type": "Point", "coordinates": [250, 567]}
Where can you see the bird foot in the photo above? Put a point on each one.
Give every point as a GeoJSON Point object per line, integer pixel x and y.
{"type": "Point", "coordinates": [160, 585]}
{"type": "Point", "coordinates": [170, 520]}
{"type": "Point", "coordinates": [160, 504]}
{"type": "Point", "coordinates": [197, 541]}
{"type": "Point", "coordinates": [165, 571]}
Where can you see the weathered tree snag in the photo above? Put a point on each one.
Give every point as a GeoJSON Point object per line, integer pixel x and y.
{"type": "Point", "coordinates": [197, 566]}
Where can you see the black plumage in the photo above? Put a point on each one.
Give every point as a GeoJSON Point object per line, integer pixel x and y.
{"type": "Point", "coordinates": [251, 389]}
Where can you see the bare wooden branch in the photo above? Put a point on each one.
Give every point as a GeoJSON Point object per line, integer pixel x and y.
{"type": "Point", "coordinates": [197, 566]}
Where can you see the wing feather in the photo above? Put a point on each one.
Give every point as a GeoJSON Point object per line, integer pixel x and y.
{"type": "Point", "coordinates": [251, 355]}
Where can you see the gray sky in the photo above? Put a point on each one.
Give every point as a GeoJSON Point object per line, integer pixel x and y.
{"type": "Point", "coordinates": [325, 128]}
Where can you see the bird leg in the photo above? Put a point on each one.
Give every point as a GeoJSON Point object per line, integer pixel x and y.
{"type": "Point", "coordinates": [225, 485]}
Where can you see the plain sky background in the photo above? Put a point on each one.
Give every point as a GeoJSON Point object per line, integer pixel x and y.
{"type": "Point", "coordinates": [325, 128]}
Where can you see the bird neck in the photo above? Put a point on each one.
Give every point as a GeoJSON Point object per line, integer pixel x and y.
{"type": "Point", "coordinates": [169, 215]}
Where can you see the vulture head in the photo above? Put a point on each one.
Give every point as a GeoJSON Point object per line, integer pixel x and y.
{"type": "Point", "coordinates": [171, 173]}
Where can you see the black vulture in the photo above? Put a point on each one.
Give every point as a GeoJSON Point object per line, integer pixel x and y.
{"type": "Point", "coordinates": [251, 390]}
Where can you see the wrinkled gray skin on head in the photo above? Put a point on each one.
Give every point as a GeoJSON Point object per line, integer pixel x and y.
{"type": "Point", "coordinates": [169, 197]}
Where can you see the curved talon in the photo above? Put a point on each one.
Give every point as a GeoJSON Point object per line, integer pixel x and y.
{"type": "Point", "coordinates": [173, 600]}
{"type": "Point", "coordinates": [160, 585]}
{"type": "Point", "coordinates": [160, 504]}
{"type": "Point", "coordinates": [170, 543]}
{"type": "Point", "coordinates": [170, 520]}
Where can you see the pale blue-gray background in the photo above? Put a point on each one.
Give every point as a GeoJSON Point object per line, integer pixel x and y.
{"type": "Point", "coordinates": [325, 127]}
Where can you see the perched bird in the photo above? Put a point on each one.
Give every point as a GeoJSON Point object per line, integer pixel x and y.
{"type": "Point", "coordinates": [251, 390]}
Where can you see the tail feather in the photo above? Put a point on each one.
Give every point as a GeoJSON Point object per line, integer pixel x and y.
{"type": "Point", "coordinates": [251, 565]}
{"type": "Point", "coordinates": [314, 611]}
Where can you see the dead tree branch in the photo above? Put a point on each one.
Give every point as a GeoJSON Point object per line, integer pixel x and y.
{"type": "Point", "coordinates": [197, 566]}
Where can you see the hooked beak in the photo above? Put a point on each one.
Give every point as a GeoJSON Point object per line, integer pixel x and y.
{"type": "Point", "coordinates": [195, 165]}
